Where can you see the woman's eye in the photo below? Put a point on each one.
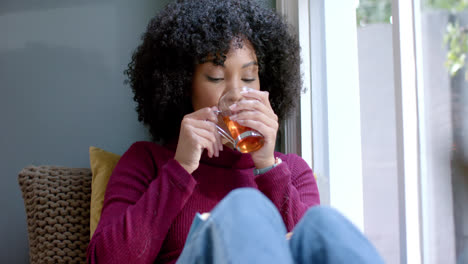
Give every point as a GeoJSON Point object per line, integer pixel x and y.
{"type": "Point", "coordinates": [248, 80]}
{"type": "Point", "coordinates": [213, 79]}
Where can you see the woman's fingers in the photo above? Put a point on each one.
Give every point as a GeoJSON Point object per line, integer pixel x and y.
{"type": "Point", "coordinates": [269, 133]}
{"type": "Point", "coordinates": [206, 113]}
{"type": "Point", "coordinates": [204, 143]}
{"type": "Point", "coordinates": [206, 119]}
{"type": "Point", "coordinates": [253, 105]}
{"type": "Point", "coordinates": [208, 136]}
{"type": "Point", "coordinates": [258, 126]}
{"type": "Point", "coordinates": [197, 132]}
{"type": "Point", "coordinates": [255, 111]}
{"type": "Point", "coordinates": [210, 127]}
{"type": "Point", "coordinates": [204, 140]}
{"type": "Point", "coordinates": [256, 116]}
{"type": "Point", "coordinates": [262, 96]}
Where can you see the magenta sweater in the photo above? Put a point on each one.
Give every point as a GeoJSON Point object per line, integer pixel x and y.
{"type": "Point", "coordinates": [151, 200]}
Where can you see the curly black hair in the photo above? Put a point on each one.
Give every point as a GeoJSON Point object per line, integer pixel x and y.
{"type": "Point", "coordinates": [184, 34]}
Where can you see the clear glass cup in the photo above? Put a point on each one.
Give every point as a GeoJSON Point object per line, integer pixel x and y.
{"type": "Point", "coordinates": [244, 139]}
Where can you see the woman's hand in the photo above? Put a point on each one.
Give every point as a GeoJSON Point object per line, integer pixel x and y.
{"type": "Point", "coordinates": [197, 132]}
{"type": "Point", "coordinates": [255, 112]}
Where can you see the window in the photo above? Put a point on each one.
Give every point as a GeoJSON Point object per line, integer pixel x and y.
{"type": "Point", "coordinates": [384, 121]}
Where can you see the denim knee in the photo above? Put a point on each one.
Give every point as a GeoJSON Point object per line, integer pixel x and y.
{"type": "Point", "coordinates": [245, 202]}
{"type": "Point", "coordinates": [322, 215]}
{"type": "Point", "coordinates": [244, 193]}
{"type": "Point", "coordinates": [244, 196]}
{"type": "Point", "coordinates": [324, 235]}
{"type": "Point", "coordinates": [320, 219]}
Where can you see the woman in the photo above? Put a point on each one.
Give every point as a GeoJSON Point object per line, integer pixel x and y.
{"type": "Point", "coordinates": [192, 53]}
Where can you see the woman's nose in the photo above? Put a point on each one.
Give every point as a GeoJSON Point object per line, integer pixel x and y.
{"type": "Point", "coordinates": [233, 89]}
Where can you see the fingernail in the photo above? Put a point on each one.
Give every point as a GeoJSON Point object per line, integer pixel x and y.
{"type": "Point", "coordinates": [233, 106]}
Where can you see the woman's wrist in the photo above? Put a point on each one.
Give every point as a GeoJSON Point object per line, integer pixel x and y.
{"type": "Point", "coordinates": [188, 168]}
{"type": "Point", "coordinates": [264, 164]}
{"type": "Point", "coordinates": [266, 169]}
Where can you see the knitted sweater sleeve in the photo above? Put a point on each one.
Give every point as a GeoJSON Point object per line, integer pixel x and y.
{"type": "Point", "coordinates": [291, 186]}
{"type": "Point", "coordinates": [141, 201]}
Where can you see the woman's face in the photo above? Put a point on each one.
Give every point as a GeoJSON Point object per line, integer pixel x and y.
{"type": "Point", "coordinates": [210, 81]}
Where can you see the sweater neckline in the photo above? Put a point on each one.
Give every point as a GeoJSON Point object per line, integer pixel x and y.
{"type": "Point", "coordinates": [228, 158]}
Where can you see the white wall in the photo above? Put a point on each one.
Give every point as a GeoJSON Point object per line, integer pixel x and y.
{"type": "Point", "coordinates": [379, 139]}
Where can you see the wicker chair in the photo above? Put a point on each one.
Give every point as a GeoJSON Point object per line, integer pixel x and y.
{"type": "Point", "coordinates": [57, 203]}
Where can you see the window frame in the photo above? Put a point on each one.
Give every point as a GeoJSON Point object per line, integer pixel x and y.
{"type": "Point", "coordinates": [338, 169]}
{"type": "Point", "coordinates": [314, 21]}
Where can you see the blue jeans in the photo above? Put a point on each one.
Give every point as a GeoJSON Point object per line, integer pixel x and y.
{"type": "Point", "coordinates": [245, 227]}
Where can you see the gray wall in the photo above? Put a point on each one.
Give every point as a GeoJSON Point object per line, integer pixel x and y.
{"type": "Point", "coordinates": [61, 65]}
{"type": "Point", "coordinates": [62, 91]}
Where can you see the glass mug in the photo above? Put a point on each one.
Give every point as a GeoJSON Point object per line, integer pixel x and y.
{"type": "Point", "coordinates": [244, 139]}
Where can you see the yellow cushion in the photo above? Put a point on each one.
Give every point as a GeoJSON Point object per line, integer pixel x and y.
{"type": "Point", "coordinates": [102, 165]}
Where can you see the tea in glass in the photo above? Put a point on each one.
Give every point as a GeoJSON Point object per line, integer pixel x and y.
{"type": "Point", "coordinates": [246, 139]}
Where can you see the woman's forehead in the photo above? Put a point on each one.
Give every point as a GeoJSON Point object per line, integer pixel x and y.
{"type": "Point", "coordinates": [238, 47]}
